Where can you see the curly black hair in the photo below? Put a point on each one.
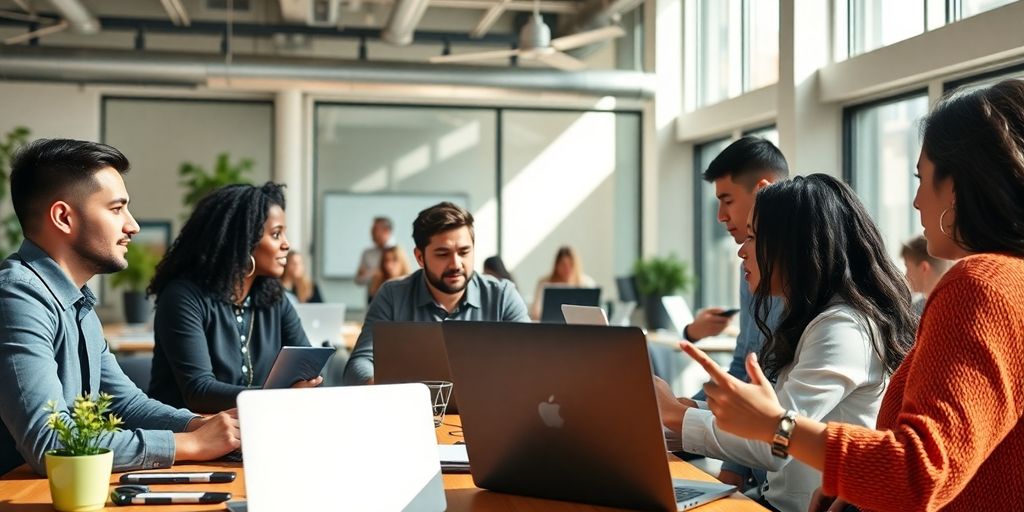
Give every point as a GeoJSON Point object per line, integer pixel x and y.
{"type": "Point", "coordinates": [214, 246]}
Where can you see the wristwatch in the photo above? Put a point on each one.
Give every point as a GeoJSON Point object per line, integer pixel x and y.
{"type": "Point", "coordinates": [780, 442]}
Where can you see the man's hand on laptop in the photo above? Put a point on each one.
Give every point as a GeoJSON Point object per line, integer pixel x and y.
{"type": "Point", "coordinates": [708, 322]}
{"type": "Point", "coordinates": [311, 383]}
{"type": "Point", "coordinates": [671, 408]}
{"type": "Point", "coordinates": [208, 437]}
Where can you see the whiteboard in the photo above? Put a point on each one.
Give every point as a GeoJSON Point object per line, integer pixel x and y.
{"type": "Point", "coordinates": [348, 217]}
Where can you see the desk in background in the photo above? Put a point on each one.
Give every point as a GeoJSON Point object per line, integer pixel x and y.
{"type": "Point", "coordinates": [129, 338]}
{"type": "Point", "coordinates": [23, 490]}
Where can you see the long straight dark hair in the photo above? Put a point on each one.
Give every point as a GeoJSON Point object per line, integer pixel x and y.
{"type": "Point", "coordinates": [815, 234]}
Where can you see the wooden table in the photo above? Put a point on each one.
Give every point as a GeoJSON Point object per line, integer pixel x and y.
{"type": "Point", "coordinates": [23, 490]}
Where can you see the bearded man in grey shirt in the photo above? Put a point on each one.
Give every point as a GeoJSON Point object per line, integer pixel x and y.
{"type": "Point", "coordinates": [445, 287]}
{"type": "Point", "coordinates": [72, 205]}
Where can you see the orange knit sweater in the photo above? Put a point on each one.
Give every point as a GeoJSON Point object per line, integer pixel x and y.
{"type": "Point", "coordinates": [950, 430]}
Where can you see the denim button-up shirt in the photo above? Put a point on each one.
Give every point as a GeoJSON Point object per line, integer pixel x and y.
{"type": "Point", "coordinates": [408, 300]}
{"type": "Point", "coordinates": [43, 318]}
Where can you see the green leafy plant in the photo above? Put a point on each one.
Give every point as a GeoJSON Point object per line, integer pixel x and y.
{"type": "Point", "coordinates": [142, 262]}
{"type": "Point", "coordinates": [659, 276]}
{"type": "Point", "coordinates": [79, 432]}
{"type": "Point", "coordinates": [199, 182]}
{"type": "Point", "coordinates": [10, 229]}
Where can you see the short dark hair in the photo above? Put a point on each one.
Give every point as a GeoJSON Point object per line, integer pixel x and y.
{"type": "Point", "coordinates": [383, 221]}
{"type": "Point", "coordinates": [747, 159]}
{"type": "Point", "coordinates": [439, 218]}
{"type": "Point", "coordinates": [915, 251]}
{"type": "Point", "coordinates": [46, 170]}
{"type": "Point", "coordinates": [977, 139]}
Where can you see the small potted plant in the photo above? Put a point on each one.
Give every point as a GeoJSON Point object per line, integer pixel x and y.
{"type": "Point", "coordinates": [79, 473]}
{"type": "Point", "coordinates": [142, 262]}
{"type": "Point", "coordinates": [657, 277]}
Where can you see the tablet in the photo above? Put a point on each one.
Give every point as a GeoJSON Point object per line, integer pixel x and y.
{"type": "Point", "coordinates": [297, 363]}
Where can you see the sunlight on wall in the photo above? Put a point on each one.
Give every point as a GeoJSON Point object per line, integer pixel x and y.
{"type": "Point", "coordinates": [556, 182]}
{"type": "Point", "coordinates": [372, 182]}
{"type": "Point", "coordinates": [462, 139]}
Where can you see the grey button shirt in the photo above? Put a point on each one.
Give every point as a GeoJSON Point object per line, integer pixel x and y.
{"type": "Point", "coordinates": [408, 300]}
{"type": "Point", "coordinates": [41, 312]}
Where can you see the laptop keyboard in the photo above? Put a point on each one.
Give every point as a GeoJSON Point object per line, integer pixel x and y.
{"type": "Point", "coordinates": [686, 493]}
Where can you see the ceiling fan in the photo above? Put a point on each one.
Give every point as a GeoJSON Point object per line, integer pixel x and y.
{"type": "Point", "coordinates": [535, 43]}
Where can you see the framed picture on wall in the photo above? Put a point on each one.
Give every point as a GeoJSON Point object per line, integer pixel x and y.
{"type": "Point", "coordinates": [154, 235]}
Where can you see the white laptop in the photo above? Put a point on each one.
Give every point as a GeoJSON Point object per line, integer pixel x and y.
{"type": "Point", "coordinates": [678, 311]}
{"type": "Point", "coordinates": [375, 449]}
{"type": "Point", "coordinates": [322, 323]}
{"type": "Point", "coordinates": [594, 315]}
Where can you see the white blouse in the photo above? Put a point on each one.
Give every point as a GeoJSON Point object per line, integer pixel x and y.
{"type": "Point", "coordinates": [835, 376]}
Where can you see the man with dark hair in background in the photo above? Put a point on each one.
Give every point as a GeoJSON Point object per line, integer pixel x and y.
{"type": "Point", "coordinates": [923, 270]}
{"type": "Point", "coordinates": [445, 286]}
{"type": "Point", "coordinates": [72, 205]}
{"type": "Point", "coordinates": [738, 173]}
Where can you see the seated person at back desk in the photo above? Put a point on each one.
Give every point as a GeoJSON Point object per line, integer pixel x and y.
{"type": "Point", "coordinates": [445, 287]}
{"type": "Point", "coordinates": [221, 313]}
{"type": "Point", "coordinates": [568, 271]}
{"type": "Point", "coordinates": [72, 205]}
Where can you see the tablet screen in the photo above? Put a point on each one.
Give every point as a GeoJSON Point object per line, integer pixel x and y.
{"type": "Point", "coordinates": [297, 363]}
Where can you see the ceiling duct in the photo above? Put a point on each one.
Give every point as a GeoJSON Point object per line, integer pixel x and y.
{"type": "Point", "coordinates": [80, 19]}
{"type": "Point", "coordinates": [104, 66]}
{"type": "Point", "coordinates": [317, 13]}
{"type": "Point", "coordinates": [402, 21]}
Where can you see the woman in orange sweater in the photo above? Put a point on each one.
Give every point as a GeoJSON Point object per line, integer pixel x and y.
{"type": "Point", "coordinates": [950, 432]}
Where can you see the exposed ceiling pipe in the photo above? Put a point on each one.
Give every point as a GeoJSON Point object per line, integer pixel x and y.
{"type": "Point", "coordinates": [488, 19]}
{"type": "Point", "coordinates": [405, 16]}
{"type": "Point", "coordinates": [81, 20]}
{"type": "Point", "coordinates": [54, 64]}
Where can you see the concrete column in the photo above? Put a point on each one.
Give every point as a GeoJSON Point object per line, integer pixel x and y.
{"type": "Point", "coordinates": [810, 132]}
{"type": "Point", "coordinates": [288, 164]}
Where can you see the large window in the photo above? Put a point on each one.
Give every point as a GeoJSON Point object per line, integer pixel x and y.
{"type": "Point", "coordinates": [737, 47]}
{"type": "Point", "coordinates": [533, 179]}
{"type": "Point", "coordinates": [717, 265]}
{"type": "Point", "coordinates": [883, 147]}
{"type": "Point", "coordinates": [865, 25]}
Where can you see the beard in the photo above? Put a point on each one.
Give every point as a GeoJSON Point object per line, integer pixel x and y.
{"type": "Point", "coordinates": [437, 281]}
{"type": "Point", "coordinates": [98, 256]}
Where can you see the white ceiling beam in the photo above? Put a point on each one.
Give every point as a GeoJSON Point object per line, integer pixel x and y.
{"type": "Point", "coordinates": [488, 19]}
{"type": "Point", "coordinates": [550, 6]}
{"type": "Point", "coordinates": [47, 30]}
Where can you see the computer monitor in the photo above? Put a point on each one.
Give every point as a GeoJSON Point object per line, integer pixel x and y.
{"type": "Point", "coordinates": [627, 289]}
{"type": "Point", "coordinates": [555, 296]}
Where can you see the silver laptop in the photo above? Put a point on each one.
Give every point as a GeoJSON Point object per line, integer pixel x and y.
{"type": "Point", "coordinates": [678, 311]}
{"type": "Point", "coordinates": [341, 448]}
{"type": "Point", "coordinates": [323, 323]}
{"type": "Point", "coordinates": [593, 315]}
{"type": "Point", "coordinates": [565, 412]}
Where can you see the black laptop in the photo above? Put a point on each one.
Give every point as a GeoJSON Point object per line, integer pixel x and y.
{"type": "Point", "coordinates": [555, 296]}
{"type": "Point", "coordinates": [406, 352]}
{"type": "Point", "coordinates": [565, 412]}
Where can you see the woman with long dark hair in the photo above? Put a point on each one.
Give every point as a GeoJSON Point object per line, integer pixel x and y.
{"type": "Point", "coordinates": [221, 314]}
{"type": "Point", "coordinates": [950, 432]}
{"type": "Point", "coordinates": [846, 324]}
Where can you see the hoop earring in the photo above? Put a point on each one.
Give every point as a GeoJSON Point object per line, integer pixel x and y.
{"type": "Point", "coordinates": [942, 224]}
{"type": "Point", "coordinates": [253, 271]}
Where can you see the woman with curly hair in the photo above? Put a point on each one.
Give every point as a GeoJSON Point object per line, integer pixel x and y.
{"type": "Point", "coordinates": [221, 314]}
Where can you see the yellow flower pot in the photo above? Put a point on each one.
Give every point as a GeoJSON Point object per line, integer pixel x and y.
{"type": "Point", "coordinates": [79, 483]}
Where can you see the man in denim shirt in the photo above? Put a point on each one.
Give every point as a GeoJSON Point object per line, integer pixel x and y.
{"type": "Point", "coordinates": [72, 205]}
{"type": "Point", "coordinates": [444, 288]}
{"type": "Point", "coordinates": [737, 173]}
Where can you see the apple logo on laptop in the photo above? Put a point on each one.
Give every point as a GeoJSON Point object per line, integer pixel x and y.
{"type": "Point", "coordinates": [549, 413]}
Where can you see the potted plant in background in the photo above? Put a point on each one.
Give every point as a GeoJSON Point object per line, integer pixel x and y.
{"type": "Point", "coordinates": [658, 277]}
{"type": "Point", "coordinates": [198, 182]}
{"type": "Point", "coordinates": [10, 229]}
{"type": "Point", "coordinates": [79, 473]}
{"type": "Point", "coordinates": [142, 261]}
